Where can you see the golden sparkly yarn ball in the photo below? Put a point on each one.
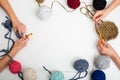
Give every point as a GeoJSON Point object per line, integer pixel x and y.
{"type": "Point", "coordinates": [108, 30]}
{"type": "Point", "coordinates": [40, 1]}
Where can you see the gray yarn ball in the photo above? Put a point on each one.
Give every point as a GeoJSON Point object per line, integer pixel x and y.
{"type": "Point", "coordinates": [102, 62]}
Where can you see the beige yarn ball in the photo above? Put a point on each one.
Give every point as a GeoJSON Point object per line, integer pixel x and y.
{"type": "Point", "coordinates": [29, 74]}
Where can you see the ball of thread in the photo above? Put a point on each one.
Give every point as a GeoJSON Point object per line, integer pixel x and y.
{"type": "Point", "coordinates": [102, 62]}
{"type": "Point", "coordinates": [29, 74]}
{"type": "Point", "coordinates": [14, 67]}
{"type": "Point", "coordinates": [99, 4]}
{"type": "Point", "coordinates": [44, 12]}
{"type": "Point", "coordinates": [81, 65]}
{"type": "Point", "coordinates": [57, 75]}
{"type": "Point", "coordinates": [74, 4]}
{"type": "Point", "coordinates": [98, 75]}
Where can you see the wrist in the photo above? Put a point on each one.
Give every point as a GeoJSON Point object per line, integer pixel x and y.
{"type": "Point", "coordinates": [14, 20]}
{"type": "Point", "coordinates": [13, 52]}
{"type": "Point", "coordinates": [114, 56]}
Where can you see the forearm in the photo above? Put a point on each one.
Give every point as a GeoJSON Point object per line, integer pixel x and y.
{"type": "Point", "coordinates": [7, 7]}
{"type": "Point", "coordinates": [5, 60]}
{"type": "Point", "coordinates": [113, 5]}
{"type": "Point", "coordinates": [116, 60]}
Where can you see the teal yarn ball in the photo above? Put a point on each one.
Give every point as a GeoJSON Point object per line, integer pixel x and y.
{"type": "Point", "coordinates": [57, 75]}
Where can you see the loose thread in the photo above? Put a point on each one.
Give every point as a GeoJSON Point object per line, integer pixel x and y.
{"type": "Point", "coordinates": [20, 75]}
{"type": "Point", "coordinates": [60, 5]}
{"type": "Point", "coordinates": [47, 70]}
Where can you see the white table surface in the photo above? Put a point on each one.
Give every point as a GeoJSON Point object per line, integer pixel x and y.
{"type": "Point", "coordinates": [57, 42]}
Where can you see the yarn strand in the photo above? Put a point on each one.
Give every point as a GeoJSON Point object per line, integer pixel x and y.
{"type": "Point", "coordinates": [20, 75]}
{"type": "Point", "coordinates": [47, 70]}
{"type": "Point", "coordinates": [60, 5]}
{"type": "Point", "coordinates": [7, 25]}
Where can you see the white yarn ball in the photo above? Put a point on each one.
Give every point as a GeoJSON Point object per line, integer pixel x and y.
{"type": "Point", "coordinates": [44, 12]}
{"type": "Point", "coordinates": [29, 74]}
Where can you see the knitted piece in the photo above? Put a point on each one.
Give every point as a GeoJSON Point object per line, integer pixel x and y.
{"type": "Point", "coordinates": [57, 75]}
{"type": "Point", "coordinates": [80, 65]}
{"type": "Point", "coordinates": [29, 74]}
{"type": "Point", "coordinates": [15, 67]}
{"type": "Point", "coordinates": [74, 4]}
{"type": "Point", "coordinates": [44, 12]}
{"type": "Point", "coordinates": [98, 75]}
{"type": "Point", "coordinates": [99, 4]}
{"type": "Point", "coordinates": [102, 62]}
{"type": "Point", "coordinates": [108, 30]}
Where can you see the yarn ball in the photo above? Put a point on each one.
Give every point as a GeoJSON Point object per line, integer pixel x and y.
{"type": "Point", "coordinates": [14, 67]}
{"type": "Point", "coordinates": [29, 74]}
{"type": "Point", "coordinates": [99, 4]}
{"type": "Point", "coordinates": [40, 1]}
{"type": "Point", "coordinates": [98, 75]}
{"type": "Point", "coordinates": [44, 12]}
{"type": "Point", "coordinates": [57, 75]}
{"type": "Point", "coordinates": [73, 3]}
{"type": "Point", "coordinates": [102, 62]}
{"type": "Point", "coordinates": [81, 65]}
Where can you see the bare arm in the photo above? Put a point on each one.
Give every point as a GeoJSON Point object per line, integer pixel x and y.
{"type": "Point", "coordinates": [103, 13]}
{"type": "Point", "coordinates": [6, 6]}
{"type": "Point", "coordinates": [17, 25]}
{"type": "Point", "coordinates": [106, 49]}
{"type": "Point", "coordinates": [113, 5]}
{"type": "Point", "coordinates": [16, 48]}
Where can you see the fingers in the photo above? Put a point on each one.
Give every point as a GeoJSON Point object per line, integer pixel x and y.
{"type": "Point", "coordinates": [23, 29]}
{"type": "Point", "coordinates": [96, 16]}
{"type": "Point", "coordinates": [20, 27]}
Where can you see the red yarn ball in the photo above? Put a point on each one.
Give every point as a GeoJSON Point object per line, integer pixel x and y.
{"type": "Point", "coordinates": [14, 67]}
{"type": "Point", "coordinates": [73, 3]}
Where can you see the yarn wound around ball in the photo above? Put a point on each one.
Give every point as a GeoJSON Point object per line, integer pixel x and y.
{"type": "Point", "coordinates": [29, 74]}
{"type": "Point", "coordinates": [102, 62]}
{"type": "Point", "coordinates": [55, 75]}
{"type": "Point", "coordinates": [99, 4]}
{"type": "Point", "coordinates": [80, 65]}
{"type": "Point", "coordinates": [44, 12]}
{"type": "Point", "coordinates": [74, 4]}
{"type": "Point", "coordinates": [98, 75]}
{"type": "Point", "coordinates": [14, 67]}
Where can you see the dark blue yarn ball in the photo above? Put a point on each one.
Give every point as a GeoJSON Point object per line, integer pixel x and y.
{"type": "Point", "coordinates": [99, 4]}
{"type": "Point", "coordinates": [98, 75]}
{"type": "Point", "coordinates": [81, 65]}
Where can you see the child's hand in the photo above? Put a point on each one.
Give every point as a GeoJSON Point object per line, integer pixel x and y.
{"type": "Point", "coordinates": [18, 26]}
{"type": "Point", "coordinates": [100, 14]}
{"type": "Point", "coordinates": [106, 49]}
{"type": "Point", "coordinates": [19, 44]}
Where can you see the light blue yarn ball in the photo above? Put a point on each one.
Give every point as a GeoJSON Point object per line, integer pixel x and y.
{"type": "Point", "coordinates": [57, 75]}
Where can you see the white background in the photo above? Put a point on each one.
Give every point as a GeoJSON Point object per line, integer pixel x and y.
{"type": "Point", "coordinates": [57, 42]}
